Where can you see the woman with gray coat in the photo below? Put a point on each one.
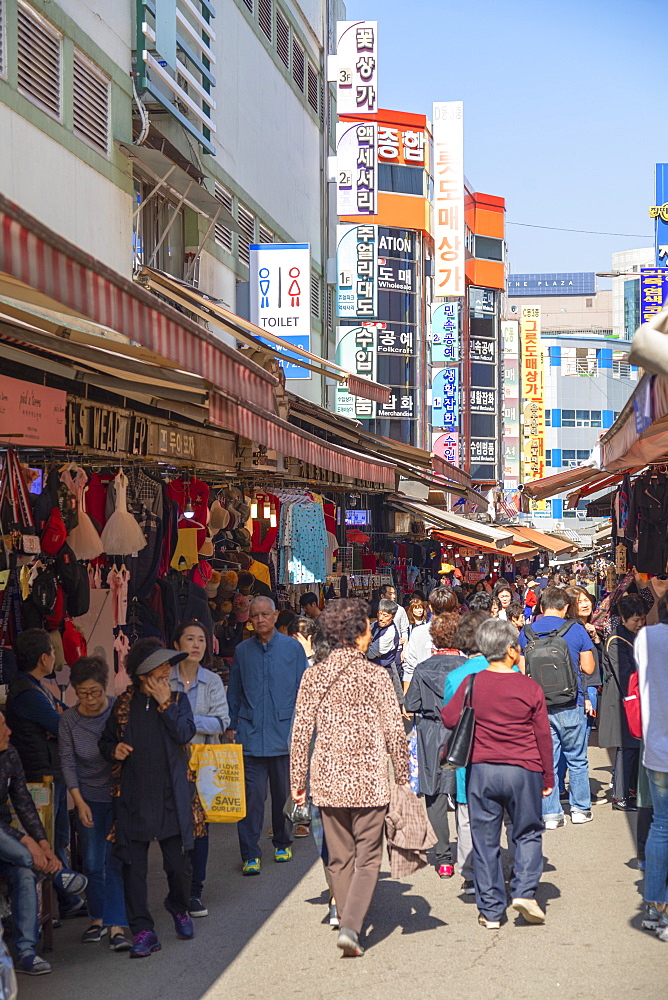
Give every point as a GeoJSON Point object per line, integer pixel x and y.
{"type": "Point", "coordinates": [208, 701]}
{"type": "Point", "coordinates": [424, 698]}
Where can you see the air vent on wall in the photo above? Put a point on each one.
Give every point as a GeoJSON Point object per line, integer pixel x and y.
{"type": "Point", "coordinates": [90, 103]}
{"type": "Point", "coordinates": [39, 60]}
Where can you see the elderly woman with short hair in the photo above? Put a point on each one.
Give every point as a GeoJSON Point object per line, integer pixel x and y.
{"type": "Point", "coordinates": [349, 702]}
{"type": "Point", "coordinates": [511, 768]}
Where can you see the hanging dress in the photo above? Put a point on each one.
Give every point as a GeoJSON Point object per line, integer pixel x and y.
{"type": "Point", "coordinates": [84, 540]}
{"type": "Point", "coordinates": [122, 535]}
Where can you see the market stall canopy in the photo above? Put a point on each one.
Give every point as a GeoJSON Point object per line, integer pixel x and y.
{"type": "Point", "coordinates": [561, 482]}
{"type": "Point", "coordinates": [464, 540]}
{"type": "Point", "coordinates": [639, 435]}
{"type": "Point", "coordinates": [434, 517]}
{"type": "Point", "coordinates": [207, 308]}
{"type": "Point", "coordinates": [543, 541]}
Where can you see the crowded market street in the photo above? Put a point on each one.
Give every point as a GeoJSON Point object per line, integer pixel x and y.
{"type": "Point", "coordinates": [265, 937]}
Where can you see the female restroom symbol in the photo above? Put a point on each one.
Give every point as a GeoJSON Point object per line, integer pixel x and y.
{"type": "Point", "coordinates": [263, 275]}
{"type": "Point", "coordinates": [294, 291]}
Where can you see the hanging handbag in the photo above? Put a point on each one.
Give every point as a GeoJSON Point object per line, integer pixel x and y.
{"type": "Point", "coordinates": [630, 700]}
{"type": "Point", "coordinates": [10, 627]}
{"type": "Point", "coordinates": [457, 752]}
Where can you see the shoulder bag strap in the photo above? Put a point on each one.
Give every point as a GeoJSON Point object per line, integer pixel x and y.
{"type": "Point", "coordinates": [612, 669]}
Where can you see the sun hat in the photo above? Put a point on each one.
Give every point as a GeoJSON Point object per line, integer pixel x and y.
{"type": "Point", "coordinates": [156, 658]}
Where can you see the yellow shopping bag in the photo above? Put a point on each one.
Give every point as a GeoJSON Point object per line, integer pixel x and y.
{"type": "Point", "coordinates": [220, 780]}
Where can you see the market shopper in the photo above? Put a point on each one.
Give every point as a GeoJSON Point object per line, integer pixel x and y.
{"type": "Point", "coordinates": [264, 679]}
{"type": "Point", "coordinates": [417, 613]}
{"type": "Point", "coordinates": [401, 620]}
{"type": "Point", "coordinates": [145, 737]}
{"type": "Point", "coordinates": [441, 601]}
{"type": "Point", "coordinates": [88, 778]}
{"type": "Point", "coordinates": [511, 768]}
{"type": "Point", "coordinates": [651, 654]}
{"type": "Point", "coordinates": [385, 646]}
{"type": "Point", "coordinates": [350, 705]}
{"type": "Point", "coordinates": [208, 702]}
{"type": "Point", "coordinates": [309, 605]}
{"type": "Point", "coordinates": [424, 698]}
{"type": "Point", "coordinates": [25, 855]}
{"type": "Point", "coordinates": [33, 715]}
{"type": "Point", "coordinates": [567, 721]}
{"type": "Point", "coordinates": [504, 595]}
{"type": "Point", "coordinates": [613, 730]}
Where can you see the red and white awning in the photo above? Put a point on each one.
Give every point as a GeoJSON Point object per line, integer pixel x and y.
{"type": "Point", "coordinates": [35, 255]}
{"type": "Point", "coordinates": [279, 435]}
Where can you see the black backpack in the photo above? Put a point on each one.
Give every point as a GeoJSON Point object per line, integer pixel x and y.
{"type": "Point", "coordinates": [547, 660]}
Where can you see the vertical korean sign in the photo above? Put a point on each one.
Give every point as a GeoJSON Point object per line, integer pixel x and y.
{"type": "Point", "coordinates": [511, 403]}
{"type": "Point", "coordinates": [357, 67]}
{"type": "Point", "coordinates": [533, 395]}
{"type": "Point", "coordinates": [280, 296]}
{"type": "Point", "coordinates": [653, 292]}
{"type": "Point", "coordinates": [356, 352]}
{"type": "Point", "coordinates": [659, 212]}
{"type": "Point", "coordinates": [356, 168]}
{"type": "Point", "coordinates": [449, 235]}
{"type": "Point", "coordinates": [357, 272]}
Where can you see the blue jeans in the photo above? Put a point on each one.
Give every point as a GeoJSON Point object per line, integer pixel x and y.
{"type": "Point", "coordinates": [61, 838]}
{"type": "Point", "coordinates": [491, 789]}
{"type": "Point", "coordinates": [569, 736]}
{"type": "Point", "coordinates": [656, 849]}
{"type": "Point", "coordinates": [106, 901]}
{"type": "Point", "coordinates": [16, 867]}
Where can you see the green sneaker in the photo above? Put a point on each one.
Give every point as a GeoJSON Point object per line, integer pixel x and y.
{"type": "Point", "coordinates": [251, 867]}
{"type": "Point", "coordinates": [282, 854]}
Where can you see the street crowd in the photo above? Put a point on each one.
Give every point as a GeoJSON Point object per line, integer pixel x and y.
{"type": "Point", "coordinates": [348, 716]}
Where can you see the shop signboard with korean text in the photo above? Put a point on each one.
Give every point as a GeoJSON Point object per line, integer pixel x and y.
{"type": "Point", "coordinates": [446, 446]}
{"type": "Point", "coordinates": [356, 169]}
{"type": "Point", "coordinates": [280, 296]}
{"type": "Point", "coordinates": [31, 415]}
{"type": "Point", "coordinates": [357, 272]}
{"type": "Point", "coordinates": [449, 232]}
{"type": "Point", "coordinates": [445, 399]}
{"type": "Point", "coordinates": [533, 395]}
{"type": "Point", "coordinates": [401, 145]}
{"type": "Point", "coordinates": [653, 291]}
{"type": "Point", "coordinates": [356, 352]}
{"type": "Point", "coordinates": [510, 376]}
{"type": "Point", "coordinates": [357, 67]}
{"type": "Point", "coordinates": [659, 212]}
{"type": "Point", "coordinates": [445, 333]}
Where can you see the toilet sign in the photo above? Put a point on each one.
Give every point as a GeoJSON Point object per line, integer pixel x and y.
{"type": "Point", "coordinates": [280, 296]}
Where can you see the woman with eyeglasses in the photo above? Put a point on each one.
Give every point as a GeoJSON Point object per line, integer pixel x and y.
{"type": "Point", "coordinates": [88, 778]}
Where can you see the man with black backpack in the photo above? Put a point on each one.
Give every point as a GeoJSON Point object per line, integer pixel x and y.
{"type": "Point", "coordinates": [555, 651]}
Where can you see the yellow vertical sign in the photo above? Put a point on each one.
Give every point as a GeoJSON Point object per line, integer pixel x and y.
{"type": "Point", "coordinates": [533, 395]}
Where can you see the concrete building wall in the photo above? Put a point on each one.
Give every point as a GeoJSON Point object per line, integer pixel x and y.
{"type": "Point", "coordinates": [569, 313]}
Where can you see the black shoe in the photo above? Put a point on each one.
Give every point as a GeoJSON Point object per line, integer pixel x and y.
{"type": "Point", "coordinates": [94, 934]}
{"type": "Point", "coordinates": [196, 907]}
{"type": "Point", "coordinates": [624, 805]}
{"type": "Point", "coordinates": [348, 942]}
{"type": "Point", "coordinates": [78, 908]}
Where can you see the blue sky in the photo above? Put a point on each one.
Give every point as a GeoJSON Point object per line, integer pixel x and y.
{"type": "Point", "coordinates": [564, 110]}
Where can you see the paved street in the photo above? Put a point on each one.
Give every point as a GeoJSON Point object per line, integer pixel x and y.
{"type": "Point", "coordinates": [265, 938]}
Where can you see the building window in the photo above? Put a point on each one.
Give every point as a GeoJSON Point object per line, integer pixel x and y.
{"type": "Point", "coordinates": [313, 88]}
{"type": "Point", "coordinates": [548, 458]}
{"type": "Point", "coordinates": [401, 180]}
{"type": "Point", "coordinates": [90, 103]}
{"type": "Point", "coordinates": [265, 235]}
{"type": "Point", "coordinates": [315, 294]}
{"type": "Point", "coordinates": [246, 222]}
{"type": "Point", "coordinates": [221, 233]}
{"type": "Point", "coordinates": [283, 39]}
{"type": "Point", "coordinates": [589, 303]}
{"type": "Point", "coordinates": [487, 248]}
{"type": "Point", "coordinates": [265, 12]}
{"type": "Point", "coordinates": [40, 50]}
{"type": "Point", "coordinates": [570, 458]}
{"type": "Point", "coordinates": [548, 418]}
{"type": "Point", "coordinates": [581, 418]}
{"type": "Point", "coordinates": [297, 63]}
{"type": "Point", "coordinates": [3, 40]}
{"type": "Point", "coordinates": [621, 369]}
{"type": "Point", "coordinates": [160, 216]}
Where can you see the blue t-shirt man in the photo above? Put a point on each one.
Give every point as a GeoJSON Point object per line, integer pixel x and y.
{"type": "Point", "coordinates": [577, 639]}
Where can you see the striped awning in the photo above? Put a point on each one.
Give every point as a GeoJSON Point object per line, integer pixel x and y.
{"type": "Point", "coordinates": [46, 263]}
{"type": "Point", "coordinates": [273, 432]}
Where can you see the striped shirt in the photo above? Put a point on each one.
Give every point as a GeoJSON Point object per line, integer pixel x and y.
{"type": "Point", "coordinates": [82, 764]}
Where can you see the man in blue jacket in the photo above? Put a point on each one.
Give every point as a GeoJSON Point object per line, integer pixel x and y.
{"type": "Point", "coordinates": [264, 680]}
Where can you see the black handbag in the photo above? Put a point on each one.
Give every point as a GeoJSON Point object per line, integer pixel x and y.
{"type": "Point", "coordinates": [457, 752]}
{"type": "Point", "coordinates": [298, 815]}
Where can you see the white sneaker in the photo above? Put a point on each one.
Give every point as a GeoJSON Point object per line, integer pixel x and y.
{"type": "Point", "coordinates": [577, 816]}
{"type": "Point", "coordinates": [530, 910]}
{"type": "Point", "coordinates": [554, 824]}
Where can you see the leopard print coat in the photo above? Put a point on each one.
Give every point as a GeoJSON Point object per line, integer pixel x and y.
{"type": "Point", "coordinates": [357, 723]}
